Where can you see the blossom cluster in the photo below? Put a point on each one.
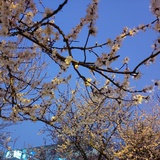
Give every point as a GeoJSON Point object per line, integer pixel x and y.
{"type": "Point", "coordinates": [155, 7]}
{"type": "Point", "coordinates": [89, 19]}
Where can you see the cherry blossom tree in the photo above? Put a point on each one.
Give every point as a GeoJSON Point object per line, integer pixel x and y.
{"type": "Point", "coordinates": [95, 114]}
{"type": "Point", "coordinates": [22, 82]}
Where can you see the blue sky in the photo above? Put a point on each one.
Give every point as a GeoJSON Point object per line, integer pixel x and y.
{"type": "Point", "coordinates": [113, 16]}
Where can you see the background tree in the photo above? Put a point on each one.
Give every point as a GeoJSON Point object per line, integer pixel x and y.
{"type": "Point", "coordinates": [4, 135]}
{"type": "Point", "coordinates": [105, 130]}
{"type": "Point", "coordinates": [140, 138]}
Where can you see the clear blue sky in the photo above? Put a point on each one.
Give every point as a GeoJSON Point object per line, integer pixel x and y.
{"type": "Point", "coordinates": [113, 16]}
